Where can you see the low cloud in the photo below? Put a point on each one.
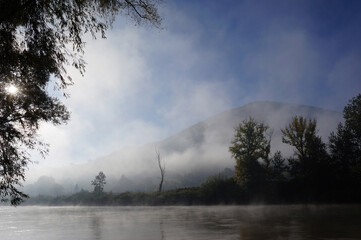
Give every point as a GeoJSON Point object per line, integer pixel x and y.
{"type": "Point", "coordinates": [143, 85]}
{"type": "Point", "coordinates": [122, 102]}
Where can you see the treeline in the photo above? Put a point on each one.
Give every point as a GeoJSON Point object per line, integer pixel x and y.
{"type": "Point", "coordinates": [217, 189]}
{"type": "Point", "coordinates": [316, 173]}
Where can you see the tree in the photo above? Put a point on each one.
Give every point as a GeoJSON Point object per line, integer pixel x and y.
{"type": "Point", "coordinates": [301, 134]}
{"type": "Point", "coordinates": [161, 166]}
{"type": "Point", "coordinates": [352, 116]}
{"type": "Point", "coordinates": [99, 183]}
{"type": "Point", "coordinates": [277, 178]}
{"type": "Point", "coordinates": [278, 168]}
{"type": "Point", "coordinates": [38, 41]}
{"type": "Point", "coordinates": [345, 148]}
{"type": "Point", "coordinates": [311, 167]}
{"type": "Point", "coordinates": [250, 145]}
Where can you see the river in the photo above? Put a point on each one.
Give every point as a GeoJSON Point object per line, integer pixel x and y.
{"type": "Point", "coordinates": [195, 222]}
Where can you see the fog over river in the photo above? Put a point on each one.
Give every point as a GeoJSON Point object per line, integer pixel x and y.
{"type": "Point", "coordinates": [195, 222]}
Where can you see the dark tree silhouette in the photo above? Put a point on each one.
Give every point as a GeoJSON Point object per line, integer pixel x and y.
{"type": "Point", "coordinates": [38, 40]}
{"type": "Point", "coordinates": [99, 183]}
{"type": "Point", "coordinates": [345, 148]}
{"type": "Point", "coordinates": [278, 168]}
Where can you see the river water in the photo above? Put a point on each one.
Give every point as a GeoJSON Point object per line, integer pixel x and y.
{"type": "Point", "coordinates": [211, 222]}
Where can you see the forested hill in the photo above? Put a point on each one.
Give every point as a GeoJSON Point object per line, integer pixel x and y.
{"type": "Point", "coordinates": [219, 129]}
{"type": "Point", "coordinates": [191, 155]}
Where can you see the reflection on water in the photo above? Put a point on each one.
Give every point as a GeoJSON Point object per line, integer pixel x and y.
{"type": "Point", "coordinates": [216, 222]}
{"type": "Point", "coordinates": [96, 226]}
{"type": "Point", "coordinates": [162, 237]}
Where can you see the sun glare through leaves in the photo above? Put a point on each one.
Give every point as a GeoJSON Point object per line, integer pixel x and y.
{"type": "Point", "coordinates": [11, 89]}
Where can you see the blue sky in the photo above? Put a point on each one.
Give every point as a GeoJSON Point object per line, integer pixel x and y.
{"type": "Point", "coordinates": [301, 51]}
{"type": "Point", "coordinates": [143, 84]}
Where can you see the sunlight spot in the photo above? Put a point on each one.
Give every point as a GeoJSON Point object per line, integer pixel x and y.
{"type": "Point", "coordinates": [11, 89]}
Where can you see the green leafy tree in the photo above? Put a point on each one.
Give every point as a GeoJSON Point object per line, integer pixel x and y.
{"type": "Point", "coordinates": [38, 41]}
{"type": "Point", "coordinates": [302, 135]}
{"type": "Point", "coordinates": [311, 166]}
{"type": "Point", "coordinates": [250, 145]}
{"type": "Point", "coordinates": [99, 183]}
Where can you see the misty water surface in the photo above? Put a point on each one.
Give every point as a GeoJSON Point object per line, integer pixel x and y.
{"type": "Point", "coordinates": [215, 222]}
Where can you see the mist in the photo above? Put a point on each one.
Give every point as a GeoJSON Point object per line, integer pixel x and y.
{"type": "Point", "coordinates": [190, 156]}
{"type": "Point", "coordinates": [150, 151]}
{"type": "Point", "coordinates": [142, 88]}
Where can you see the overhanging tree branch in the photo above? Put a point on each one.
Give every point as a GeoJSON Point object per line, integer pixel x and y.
{"type": "Point", "coordinates": [39, 40]}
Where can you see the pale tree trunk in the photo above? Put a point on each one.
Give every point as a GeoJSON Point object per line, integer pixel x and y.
{"type": "Point", "coordinates": [161, 168]}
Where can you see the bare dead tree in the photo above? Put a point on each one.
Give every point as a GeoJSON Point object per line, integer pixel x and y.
{"type": "Point", "coordinates": [161, 165]}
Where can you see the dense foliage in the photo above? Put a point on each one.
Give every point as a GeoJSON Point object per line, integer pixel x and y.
{"type": "Point", "coordinates": [345, 151]}
{"type": "Point", "coordinates": [312, 174]}
{"type": "Point", "coordinates": [99, 183]}
{"type": "Point", "coordinates": [250, 144]}
{"type": "Point", "coordinates": [38, 41]}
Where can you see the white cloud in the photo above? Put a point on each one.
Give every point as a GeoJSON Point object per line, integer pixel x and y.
{"type": "Point", "coordinates": [116, 76]}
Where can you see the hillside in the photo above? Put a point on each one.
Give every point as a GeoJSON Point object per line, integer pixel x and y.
{"type": "Point", "coordinates": [191, 155]}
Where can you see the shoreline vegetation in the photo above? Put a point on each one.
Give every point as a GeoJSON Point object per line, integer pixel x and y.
{"type": "Point", "coordinates": [217, 190]}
